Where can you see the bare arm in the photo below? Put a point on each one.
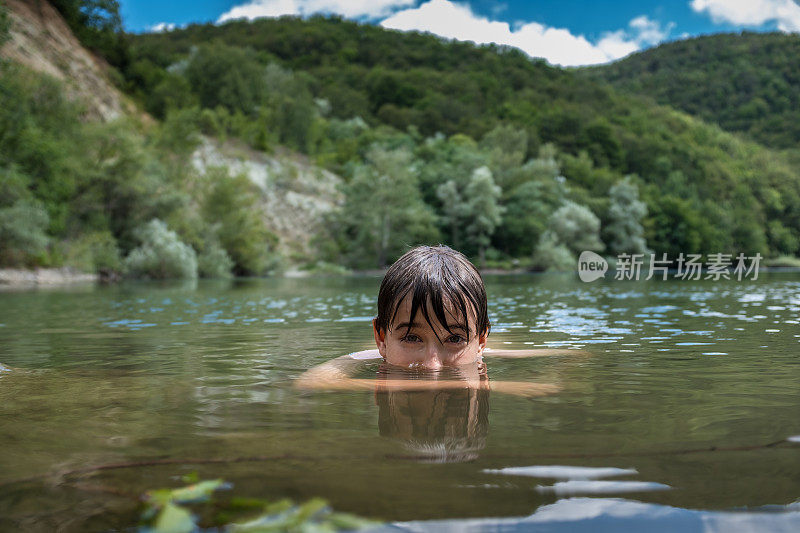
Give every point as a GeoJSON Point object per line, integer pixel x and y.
{"type": "Point", "coordinates": [335, 375]}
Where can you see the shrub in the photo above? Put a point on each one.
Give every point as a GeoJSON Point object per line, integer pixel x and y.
{"type": "Point", "coordinates": [233, 204]}
{"type": "Point", "coordinates": [570, 230]}
{"type": "Point", "coordinates": [552, 255]}
{"type": "Point", "coordinates": [95, 252]}
{"type": "Point", "coordinates": [576, 227]}
{"type": "Point", "coordinates": [22, 233]}
{"type": "Point", "coordinates": [161, 254]}
{"type": "Point", "coordinates": [214, 262]}
{"type": "Point", "coordinates": [624, 232]}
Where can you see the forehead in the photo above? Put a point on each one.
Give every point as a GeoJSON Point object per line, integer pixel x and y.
{"type": "Point", "coordinates": [452, 313]}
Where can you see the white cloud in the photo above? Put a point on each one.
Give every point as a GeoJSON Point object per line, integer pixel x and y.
{"type": "Point", "coordinates": [558, 45]}
{"type": "Point", "coordinates": [452, 20]}
{"type": "Point", "coordinates": [649, 31]}
{"type": "Point", "coordinates": [162, 26]}
{"type": "Point", "coordinates": [616, 44]}
{"type": "Point", "coordinates": [752, 12]}
{"type": "Point", "coordinates": [346, 8]}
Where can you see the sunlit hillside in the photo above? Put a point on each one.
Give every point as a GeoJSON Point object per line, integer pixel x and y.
{"type": "Point", "coordinates": [748, 82]}
{"type": "Point", "coordinates": [339, 144]}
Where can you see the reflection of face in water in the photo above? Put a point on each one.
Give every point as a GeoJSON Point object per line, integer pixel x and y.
{"type": "Point", "coordinates": [442, 425]}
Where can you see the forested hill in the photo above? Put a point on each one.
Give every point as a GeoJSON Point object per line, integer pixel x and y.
{"type": "Point", "coordinates": [704, 189]}
{"type": "Point", "coordinates": [382, 76]}
{"type": "Point", "coordinates": [370, 140]}
{"type": "Point", "coordinates": [748, 82]}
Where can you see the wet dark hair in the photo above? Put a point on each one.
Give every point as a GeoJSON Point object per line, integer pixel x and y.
{"type": "Point", "coordinates": [437, 274]}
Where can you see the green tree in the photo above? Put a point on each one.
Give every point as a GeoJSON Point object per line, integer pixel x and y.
{"type": "Point", "coordinates": [291, 110]}
{"type": "Point", "coordinates": [624, 231]}
{"type": "Point", "coordinates": [94, 251]}
{"type": "Point", "coordinates": [233, 207]}
{"type": "Point", "coordinates": [447, 159]}
{"type": "Point", "coordinates": [174, 91]}
{"type": "Point", "coordinates": [98, 25]}
{"type": "Point", "coordinates": [383, 211]}
{"type": "Point", "coordinates": [571, 229]}
{"type": "Point", "coordinates": [783, 240]}
{"type": "Point", "coordinates": [506, 147]}
{"type": "Point", "coordinates": [227, 76]}
{"type": "Point", "coordinates": [23, 238]}
{"type": "Point", "coordinates": [455, 210]}
{"type": "Point", "coordinates": [214, 262]}
{"type": "Point", "coordinates": [122, 185]}
{"type": "Point", "coordinates": [551, 254]}
{"type": "Point", "coordinates": [484, 210]}
{"type": "Point", "coordinates": [599, 139]}
{"type": "Point", "coordinates": [674, 227]}
{"type": "Point", "coordinates": [537, 190]}
{"type": "Point", "coordinates": [41, 135]}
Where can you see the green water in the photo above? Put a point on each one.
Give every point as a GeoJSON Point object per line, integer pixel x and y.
{"type": "Point", "coordinates": [687, 382]}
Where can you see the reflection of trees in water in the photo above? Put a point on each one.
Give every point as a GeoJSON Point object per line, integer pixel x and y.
{"type": "Point", "coordinates": [441, 425]}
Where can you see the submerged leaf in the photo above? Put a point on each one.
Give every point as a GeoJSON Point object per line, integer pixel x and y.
{"type": "Point", "coordinates": [313, 516]}
{"type": "Point", "coordinates": [198, 492]}
{"type": "Point", "coordinates": [311, 509]}
{"type": "Point", "coordinates": [266, 522]}
{"type": "Point", "coordinates": [158, 498]}
{"type": "Point", "coordinates": [279, 506]}
{"type": "Point", "coordinates": [174, 519]}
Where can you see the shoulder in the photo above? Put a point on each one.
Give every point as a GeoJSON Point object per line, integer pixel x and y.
{"type": "Point", "coordinates": [364, 354]}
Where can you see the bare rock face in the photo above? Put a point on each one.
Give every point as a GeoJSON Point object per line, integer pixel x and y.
{"type": "Point", "coordinates": [42, 41]}
{"type": "Point", "coordinates": [296, 195]}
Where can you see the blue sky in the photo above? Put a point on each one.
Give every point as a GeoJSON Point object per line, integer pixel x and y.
{"type": "Point", "coordinates": [565, 32]}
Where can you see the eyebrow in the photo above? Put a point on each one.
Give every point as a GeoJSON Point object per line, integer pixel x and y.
{"type": "Point", "coordinates": [410, 325]}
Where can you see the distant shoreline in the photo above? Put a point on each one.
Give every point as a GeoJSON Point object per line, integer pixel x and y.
{"type": "Point", "coordinates": [14, 278]}
{"type": "Point", "coordinates": [17, 278]}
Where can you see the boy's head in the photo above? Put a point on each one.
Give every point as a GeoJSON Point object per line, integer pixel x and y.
{"type": "Point", "coordinates": [431, 310]}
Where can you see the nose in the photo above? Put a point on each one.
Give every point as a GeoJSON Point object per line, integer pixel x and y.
{"type": "Point", "coordinates": [432, 360]}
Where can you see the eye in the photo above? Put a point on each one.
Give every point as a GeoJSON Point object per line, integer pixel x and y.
{"type": "Point", "coordinates": [456, 339]}
{"type": "Point", "coordinates": [410, 338]}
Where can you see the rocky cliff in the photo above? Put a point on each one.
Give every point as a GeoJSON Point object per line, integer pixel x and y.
{"type": "Point", "coordinates": [295, 193]}
{"type": "Point", "coordinates": [41, 40]}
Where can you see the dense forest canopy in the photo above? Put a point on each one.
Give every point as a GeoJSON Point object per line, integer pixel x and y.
{"type": "Point", "coordinates": [502, 156]}
{"type": "Point", "coordinates": [748, 82]}
{"type": "Point", "coordinates": [422, 84]}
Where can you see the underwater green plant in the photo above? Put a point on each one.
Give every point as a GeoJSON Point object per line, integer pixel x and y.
{"type": "Point", "coordinates": [166, 511]}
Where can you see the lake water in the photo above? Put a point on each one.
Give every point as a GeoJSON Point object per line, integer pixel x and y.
{"type": "Point", "coordinates": [678, 418]}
